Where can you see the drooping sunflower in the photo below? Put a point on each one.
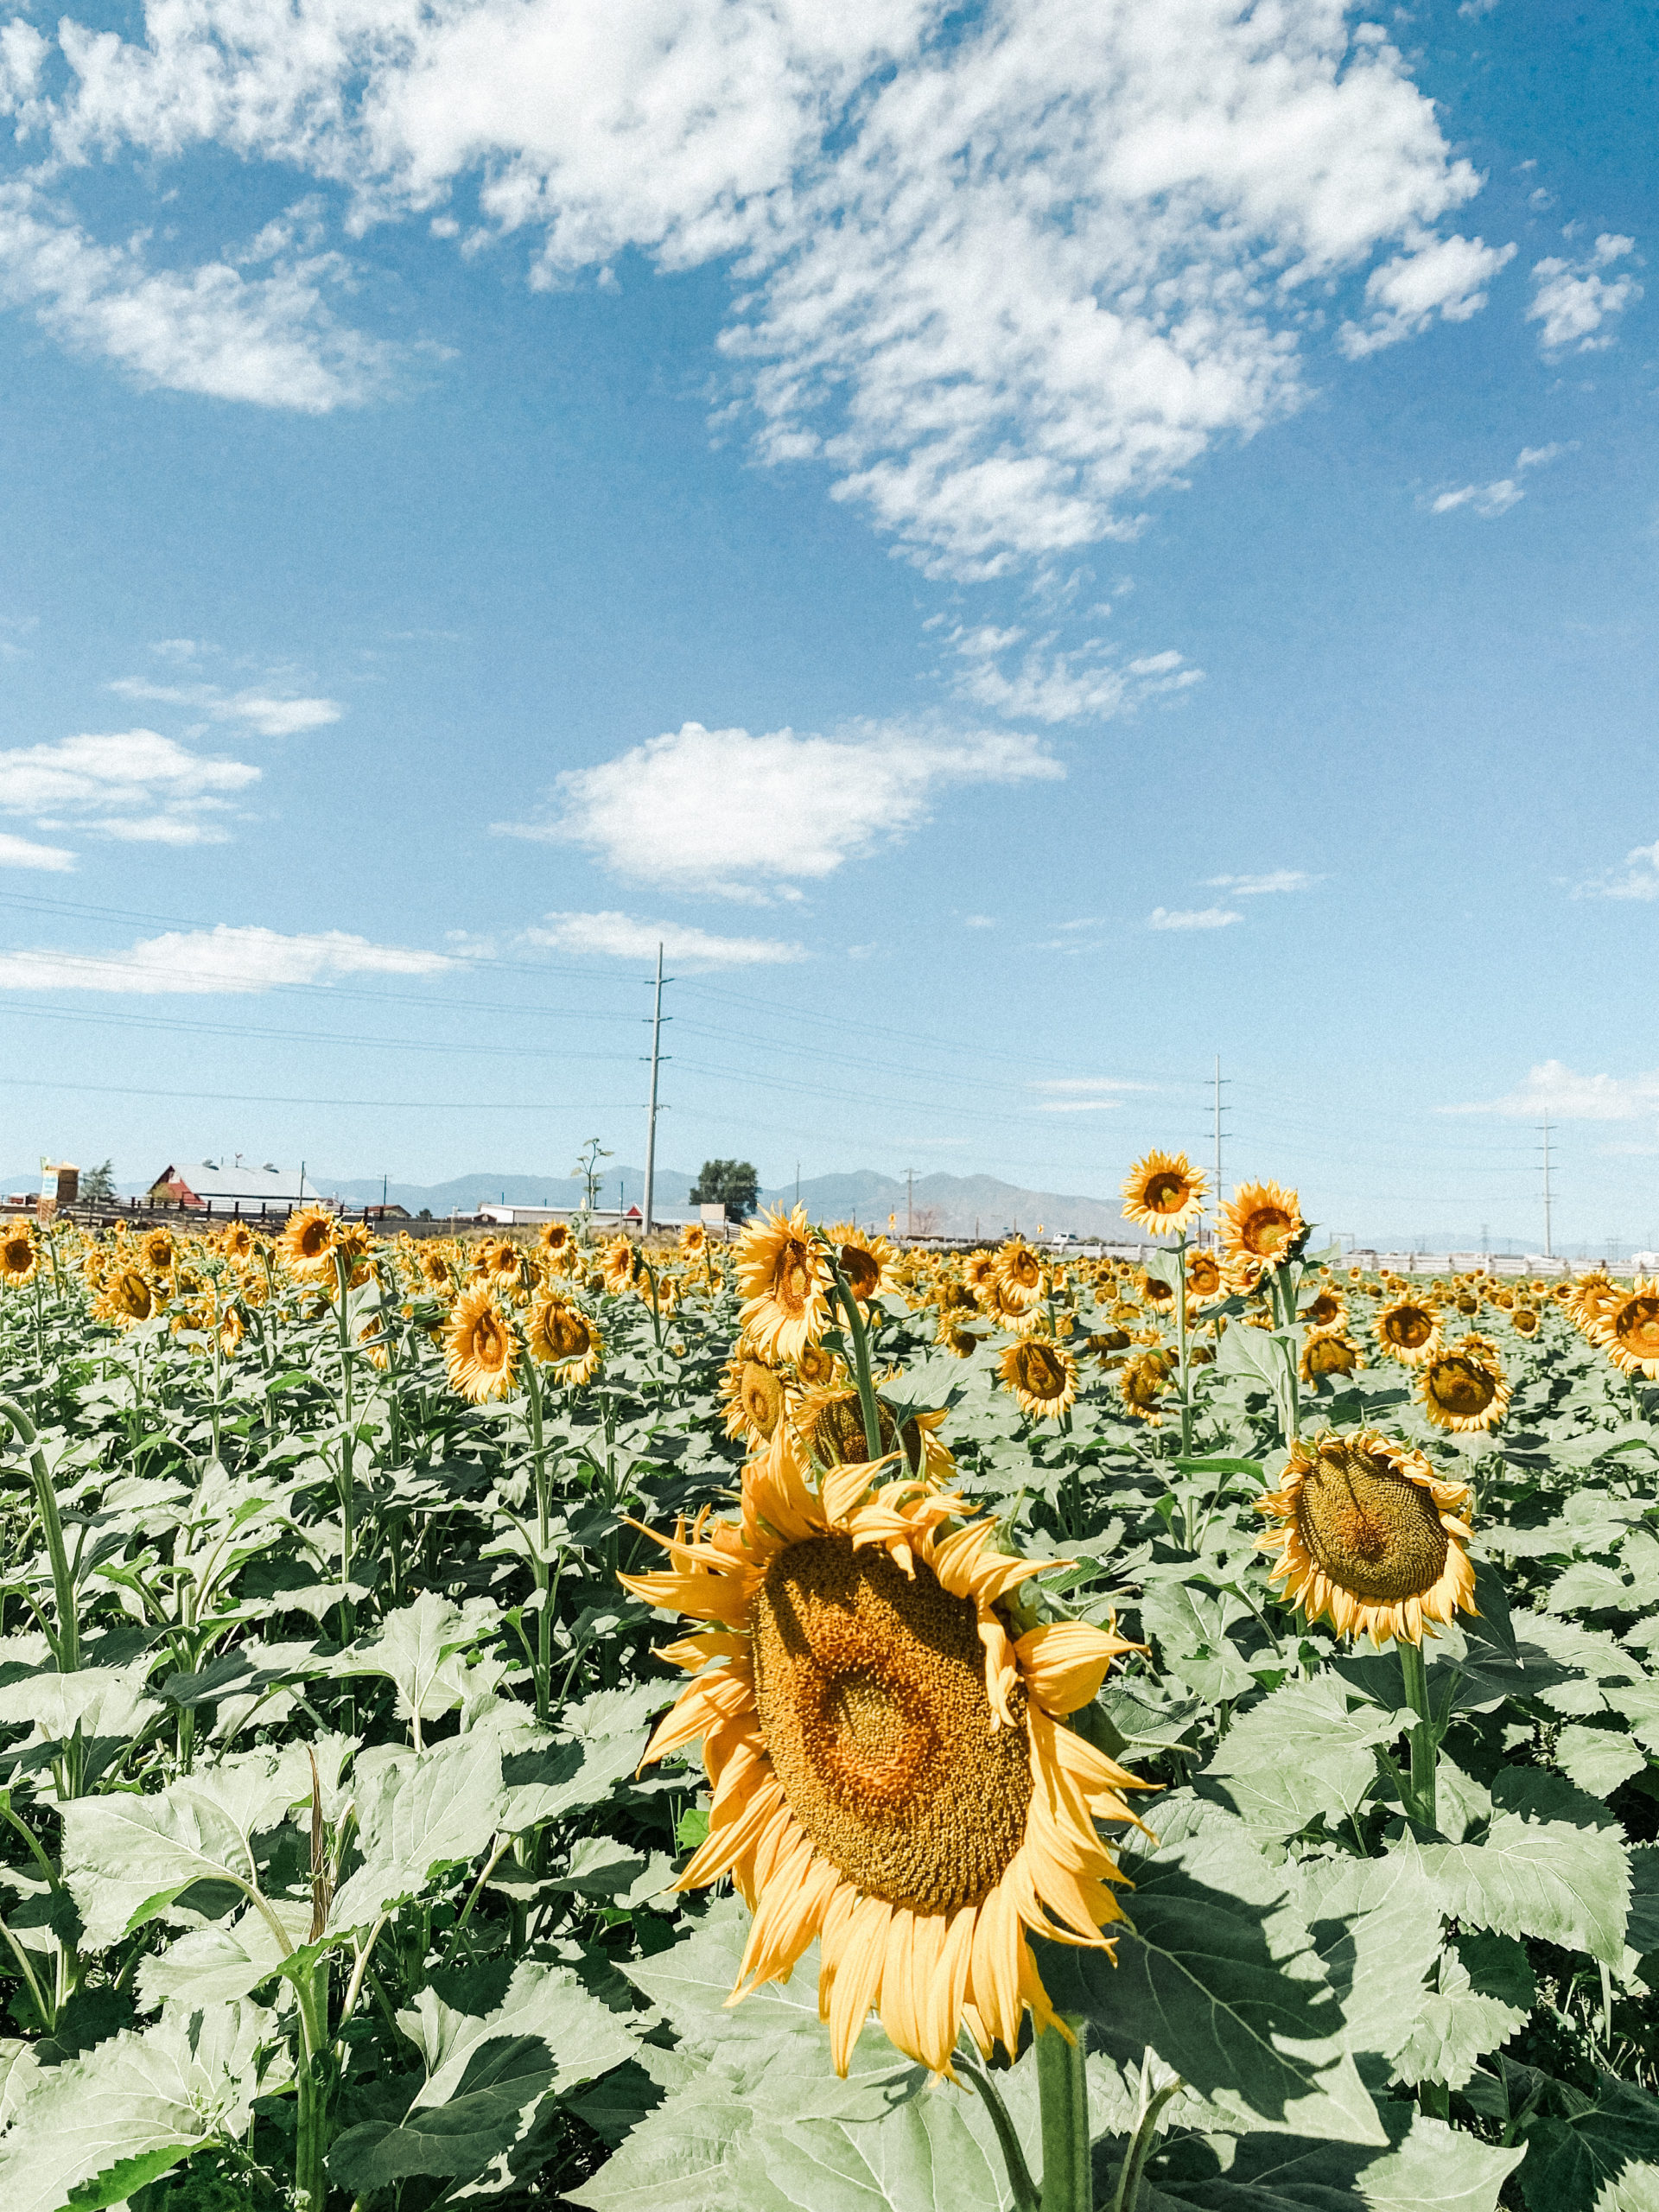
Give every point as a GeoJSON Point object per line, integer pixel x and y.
{"type": "Point", "coordinates": [830, 1426]}
{"type": "Point", "coordinates": [867, 1262]}
{"type": "Point", "coordinates": [1262, 1222]}
{"type": "Point", "coordinates": [126, 1298]}
{"type": "Point", "coordinates": [783, 1282]}
{"type": "Point", "coordinates": [1042, 1375]}
{"type": "Point", "coordinates": [1017, 1274]}
{"type": "Point", "coordinates": [1630, 1334]}
{"type": "Point", "coordinates": [1327, 1352]}
{"type": "Point", "coordinates": [481, 1351]}
{"type": "Point", "coordinates": [1408, 1330]}
{"type": "Point", "coordinates": [951, 1337]}
{"type": "Point", "coordinates": [891, 1770]}
{"type": "Point", "coordinates": [619, 1265]}
{"type": "Point", "coordinates": [564, 1338]}
{"type": "Point", "coordinates": [816, 1366]}
{"type": "Point", "coordinates": [753, 1394]}
{"type": "Point", "coordinates": [1164, 1192]}
{"type": "Point", "coordinates": [1463, 1388]}
{"type": "Point", "coordinates": [1368, 1538]}
{"type": "Point", "coordinates": [374, 1342]}
{"type": "Point", "coordinates": [977, 1270]}
{"type": "Point", "coordinates": [230, 1331]}
{"type": "Point", "coordinates": [307, 1243]}
{"type": "Point", "coordinates": [1142, 1383]}
{"type": "Point", "coordinates": [19, 1254]}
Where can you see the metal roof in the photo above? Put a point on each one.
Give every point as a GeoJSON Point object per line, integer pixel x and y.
{"type": "Point", "coordinates": [228, 1182]}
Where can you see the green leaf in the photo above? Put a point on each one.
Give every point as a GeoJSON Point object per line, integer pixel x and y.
{"type": "Point", "coordinates": [1377, 1926]}
{"type": "Point", "coordinates": [1570, 1885]}
{"type": "Point", "coordinates": [1299, 1753]}
{"type": "Point", "coordinates": [419, 1813]}
{"type": "Point", "coordinates": [154, 2097]}
{"type": "Point", "coordinates": [215, 1965]}
{"type": "Point", "coordinates": [1598, 1759]}
{"type": "Point", "coordinates": [1221, 1978]}
{"type": "Point", "coordinates": [420, 1647]}
{"type": "Point", "coordinates": [1485, 1994]}
{"type": "Point", "coordinates": [599, 1741]}
{"type": "Point", "coordinates": [1427, 2167]}
{"type": "Point", "coordinates": [1605, 2159]}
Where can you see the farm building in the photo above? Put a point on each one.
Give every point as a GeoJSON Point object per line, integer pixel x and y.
{"type": "Point", "coordinates": [227, 1185]}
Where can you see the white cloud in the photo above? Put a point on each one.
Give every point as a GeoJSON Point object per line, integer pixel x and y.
{"type": "Point", "coordinates": [19, 852]}
{"type": "Point", "coordinates": [1049, 685]}
{"type": "Point", "coordinates": [226, 959]}
{"type": "Point", "coordinates": [133, 786]}
{"type": "Point", "coordinates": [1553, 1088]}
{"type": "Point", "coordinates": [1573, 299]}
{"type": "Point", "coordinates": [1497, 498]}
{"type": "Point", "coordinates": [1257, 887]}
{"type": "Point", "coordinates": [261, 710]}
{"type": "Point", "coordinates": [620, 936]}
{"type": "Point", "coordinates": [1638, 879]}
{"type": "Point", "coordinates": [723, 811]}
{"type": "Point", "coordinates": [979, 921]}
{"type": "Point", "coordinates": [1088, 1094]}
{"type": "Point", "coordinates": [1003, 283]}
{"type": "Point", "coordinates": [272, 341]}
{"type": "Point", "coordinates": [1192, 918]}
{"type": "Point", "coordinates": [1443, 277]}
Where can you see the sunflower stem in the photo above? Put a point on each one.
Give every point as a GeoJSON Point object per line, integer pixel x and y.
{"type": "Point", "coordinates": [1181, 1346]}
{"type": "Point", "coordinates": [66, 1649]}
{"type": "Point", "coordinates": [1024, 2189]}
{"type": "Point", "coordinates": [1127, 2194]}
{"type": "Point", "coordinates": [1068, 2180]}
{"type": "Point", "coordinates": [855, 1330]}
{"type": "Point", "coordinates": [1424, 1737]}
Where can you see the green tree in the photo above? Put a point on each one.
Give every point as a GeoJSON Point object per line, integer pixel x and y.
{"type": "Point", "coordinates": [731, 1182]}
{"type": "Point", "coordinates": [97, 1185]}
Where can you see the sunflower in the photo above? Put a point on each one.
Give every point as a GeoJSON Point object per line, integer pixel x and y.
{"type": "Point", "coordinates": [481, 1351]}
{"type": "Point", "coordinates": [1204, 1275]}
{"type": "Point", "coordinates": [890, 1768]}
{"type": "Point", "coordinates": [753, 1394]}
{"type": "Point", "coordinates": [1327, 1352]}
{"type": "Point", "coordinates": [1368, 1538]}
{"type": "Point", "coordinates": [1464, 1389]}
{"type": "Point", "coordinates": [155, 1250]}
{"type": "Point", "coordinates": [230, 1331]}
{"type": "Point", "coordinates": [816, 1366]}
{"type": "Point", "coordinates": [960, 1343]}
{"type": "Point", "coordinates": [619, 1265]}
{"type": "Point", "coordinates": [236, 1241]}
{"type": "Point", "coordinates": [694, 1238]}
{"type": "Point", "coordinates": [1630, 1334]}
{"type": "Point", "coordinates": [374, 1342]}
{"type": "Point", "coordinates": [867, 1262]}
{"type": "Point", "coordinates": [1158, 1293]}
{"type": "Point", "coordinates": [1007, 1306]}
{"type": "Point", "coordinates": [1017, 1274]}
{"type": "Point", "coordinates": [564, 1338]}
{"type": "Point", "coordinates": [19, 1253]}
{"type": "Point", "coordinates": [1260, 1222]}
{"type": "Point", "coordinates": [1163, 1192]}
{"type": "Point", "coordinates": [830, 1426]}
{"type": "Point", "coordinates": [1042, 1375]}
{"type": "Point", "coordinates": [127, 1297]}
{"type": "Point", "coordinates": [1326, 1310]}
{"type": "Point", "coordinates": [553, 1237]}
{"type": "Point", "coordinates": [307, 1243]}
{"type": "Point", "coordinates": [1524, 1321]}
{"type": "Point", "coordinates": [434, 1264]}
{"type": "Point", "coordinates": [1593, 1299]}
{"type": "Point", "coordinates": [1408, 1330]}
{"type": "Point", "coordinates": [783, 1282]}
{"type": "Point", "coordinates": [1142, 1383]}
{"type": "Point", "coordinates": [977, 1270]}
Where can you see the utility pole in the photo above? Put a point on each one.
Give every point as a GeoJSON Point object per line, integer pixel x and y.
{"type": "Point", "coordinates": [910, 1203]}
{"type": "Point", "coordinates": [1219, 1109]}
{"type": "Point", "coordinates": [1550, 1250]}
{"type": "Point", "coordinates": [651, 1122]}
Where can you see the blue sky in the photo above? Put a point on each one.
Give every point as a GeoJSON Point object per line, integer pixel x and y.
{"type": "Point", "coordinates": [1036, 545]}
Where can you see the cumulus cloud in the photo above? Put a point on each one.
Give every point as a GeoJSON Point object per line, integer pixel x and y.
{"type": "Point", "coordinates": [22, 852]}
{"type": "Point", "coordinates": [1638, 879]}
{"type": "Point", "coordinates": [620, 936]}
{"type": "Point", "coordinates": [271, 339]}
{"type": "Point", "coordinates": [1003, 283]}
{"type": "Point", "coordinates": [225, 959]}
{"type": "Point", "coordinates": [1033, 679]}
{"type": "Point", "coordinates": [1443, 277]}
{"type": "Point", "coordinates": [1259, 886]}
{"type": "Point", "coordinates": [1504, 493]}
{"type": "Point", "coordinates": [1573, 299]}
{"type": "Point", "coordinates": [1192, 918]}
{"type": "Point", "coordinates": [742, 815]}
{"type": "Point", "coordinates": [270, 715]}
{"type": "Point", "coordinates": [133, 786]}
{"type": "Point", "coordinates": [1553, 1088]}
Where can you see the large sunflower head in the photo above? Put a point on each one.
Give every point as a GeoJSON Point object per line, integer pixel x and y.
{"type": "Point", "coordinates": [1263, 1223]}
{"type": "Point", "coordinates": [553, 1237]}
{"type": "Point", "coordinates": [753, 1394]}
{"type": "Point", "coordinates": [1592, 1298]}
{"type": "Point", "coordinates": [783, 1280]}
{"type": "Point", "coordinates": [307, 1243]}
{"type": "Point", "coordinates": [562, 1337]}
{"type": "Point", "coordinates": [19, 1253]}
{"type": "Point", "coordinates": [891, 1770]}
{"type": "Point", "coordinates": [977, 1270]}
{"type": "Point", "coordinates": [1464, 1389]}
{"type": "Point", "coordinates": [127, 1297]}
{"type": "Point", "coordinates": [817, 1367]}
{"type": "Point", "coordinates": [1164, 1192]}
{"type": "Point", "coordinates": [1368, 1538]}
{"type": "Point", "coordinates": [1042, 1375]}
{"type": "Point", "coordinates": [481, 1350]}
{"type": "Point", "coordinates": [1327, 1353]}
{"type": "Point", "coordinates": [1629, 1332]}
{"type": "Point", "coordinates": [1408, 1330]}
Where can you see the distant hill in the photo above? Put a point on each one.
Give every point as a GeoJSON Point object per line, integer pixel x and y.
{"type": "Point", "coordinates": [491, 1187]}
{"type": "Point", "coordinates": [950, 1206]}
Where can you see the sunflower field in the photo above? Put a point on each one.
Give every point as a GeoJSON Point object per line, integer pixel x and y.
{"type": "Point", "coordinates": [817, 1726]}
